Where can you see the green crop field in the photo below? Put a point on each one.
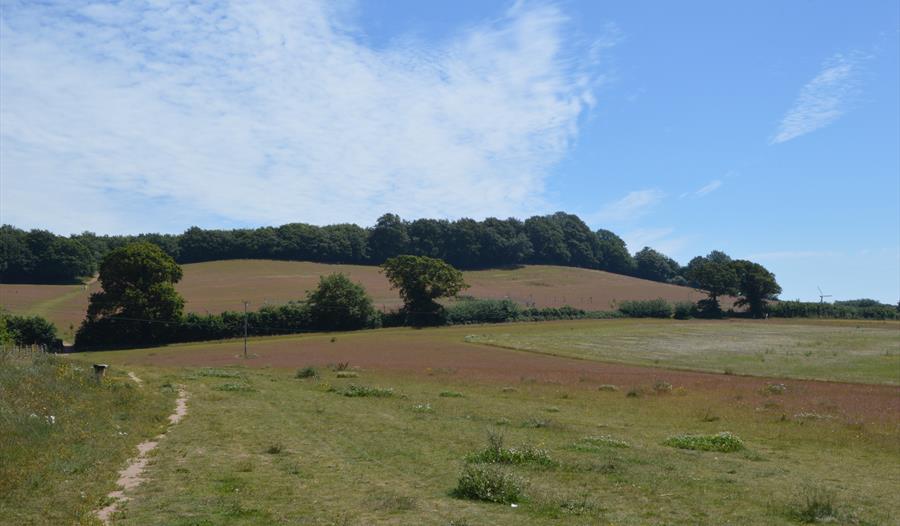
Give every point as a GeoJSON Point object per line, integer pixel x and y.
{"type": "Point", "coordinates": [847, 351]}
{"type": "Point", "coordinates": [406, 426]}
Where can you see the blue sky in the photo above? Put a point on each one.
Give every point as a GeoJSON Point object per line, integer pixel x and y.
{"type": "Point", "coordinates": [769, 130]}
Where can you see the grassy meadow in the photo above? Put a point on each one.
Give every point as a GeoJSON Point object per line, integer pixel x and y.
{"type": "Point", "coordinates": [266, 447]}
{"type": "Point", "coordinates": [402, 426]}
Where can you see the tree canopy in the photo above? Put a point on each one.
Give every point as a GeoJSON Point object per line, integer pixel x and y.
{"type": "Point", "coordinates": [338, 304]}
{"type": "Point", "coordinates": [755, 286]}
{"type": "Point", "coordinates": [421, 280]}
{"type": "Point", "coordinates": [138, 300]}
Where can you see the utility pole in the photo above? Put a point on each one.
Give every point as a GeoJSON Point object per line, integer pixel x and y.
{"type": "Point", "coordinates": [245, 328]}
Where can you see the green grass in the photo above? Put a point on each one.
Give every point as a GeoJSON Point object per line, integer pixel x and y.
{"type": "Point", "coordinates": [861, 352]}
{"type": "Point", "coordinates": [63, 437]}
{"type": "Point", "coordinates": [371, 460]}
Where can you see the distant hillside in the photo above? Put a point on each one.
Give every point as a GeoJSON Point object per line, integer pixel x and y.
{"type": "Point", "coordinates": [221, 285]}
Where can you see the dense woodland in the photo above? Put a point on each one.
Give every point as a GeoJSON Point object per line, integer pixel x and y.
{"type": "Point", "coordinates": [39, 256]}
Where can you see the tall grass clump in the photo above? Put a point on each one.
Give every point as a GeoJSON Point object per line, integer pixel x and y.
{"type": "Point", "coordinates": [490, 484]}
{"type": "Point", "coordinates": [814, 505]}
{"type": "Point", "coordinates": [724, 442]}
{"type": "Point", "coordinates": [496, 453]}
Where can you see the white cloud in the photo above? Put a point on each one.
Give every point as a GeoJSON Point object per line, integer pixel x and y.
{"type": "Point", "coordinates": [630, 207]}
{"type": "Point", "coordinates": [822, 100]}
{"type": "Point", "coordinates": [132, 116]}
{"type": "Point", "coordinates": [705, 190]}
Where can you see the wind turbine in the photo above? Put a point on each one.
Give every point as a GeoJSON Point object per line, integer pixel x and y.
{"type": "Point", "coordinates": [822, 299]}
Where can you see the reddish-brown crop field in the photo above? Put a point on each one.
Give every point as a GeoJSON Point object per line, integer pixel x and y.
{"type": "Point", "coordinates": [222, 285]}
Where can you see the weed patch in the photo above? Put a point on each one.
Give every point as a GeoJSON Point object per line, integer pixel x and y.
{"type": "Point", "coordinates": [346, 374]}
{"type": "Point", "coordinates": [490, 484]}
{"type": "Point", "coordinates": [814, 505]}
{"type": "Point", "coordinates": [307, 372]}
{"type": "Point", "coordinates": [724, 442]}
{"type": "Point", "coordinates": [451, 394]}
{"type": "Point", "coordinates": [234, 387]}
{"type": "Point", "coordinates": [496, 453]}
{"type": "Point", "coordinates": [357, 391]}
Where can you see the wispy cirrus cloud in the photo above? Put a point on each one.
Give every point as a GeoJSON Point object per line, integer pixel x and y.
{"type": "Point", "coordinates": [634, 205]}
{"type": "Point", "coordinates": [130, 116]}
{"type": "Point", "coordinates": [823, 99]}
{"type": "Point", "coordinates": [704, 190]}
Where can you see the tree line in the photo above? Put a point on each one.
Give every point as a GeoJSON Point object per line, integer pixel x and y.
{"type": "Point", "coordinates": [39, 256]}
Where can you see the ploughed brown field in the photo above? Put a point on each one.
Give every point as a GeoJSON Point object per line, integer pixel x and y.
{"type": "Point", "coordinates": [221, 285]}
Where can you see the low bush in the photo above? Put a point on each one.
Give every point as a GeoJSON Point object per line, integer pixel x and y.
{"type": "Point", "coordinates": [346, 374]}
{"type": "Point", "coordinates": [496, 453]}
{"type": "Point", "coordinates": [608, 388]}
{"type": "Point", "coordinates": [451, 394]}
{"type": "Point", "coordinates": [490, 484]}
{"type": "Point", "coordinates": [307, 372]}
{"type": "Point", "coordinates": [355, 391]}
{"type": "Point", "coordinates": [814, 505]}
{"type": "Point", "coordinates": [723, 442]}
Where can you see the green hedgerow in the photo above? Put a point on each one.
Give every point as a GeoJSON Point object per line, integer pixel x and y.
{"type": "Point", "coordinates": [724, 442]}
{"type": "Point", "coordinates": [489, 483]}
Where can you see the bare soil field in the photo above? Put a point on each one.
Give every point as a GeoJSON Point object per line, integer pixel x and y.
{"type": "Point", "coordinates": [222, 285]}
{"type": "Point", "coordinates": [444, 353]}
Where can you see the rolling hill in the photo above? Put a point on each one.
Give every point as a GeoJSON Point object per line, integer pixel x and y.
{"type": "Point", "coordinates": [222, 285]}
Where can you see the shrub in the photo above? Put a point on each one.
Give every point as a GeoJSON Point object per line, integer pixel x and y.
{"type": "Point", "coordinates": [775, 389]}
{"type": "Point", "coordinates": [339, 304]}
{"type": "Point", "coordinates": [724, 442]}
{"type": "Point", "coordinates": [814, 505]}
{"type": "Point", "coordinates": [355, 391]}
{"type": "Point", "coordinates": [634, 392]}
{"type": "Point", "coordinates": [274, 449]}
{"type": "Point", "coordinates": [451, 394]}
{"type": "Point", "coordinates": [490, 484]}
{"type": "Point", "coordinates": [684, 310]}
{"type": "Point", "coordinates": [658, 308]}
{"type": "Point", "coordinates": [29, 330]}
{"type": "Point", "coordinates": [495, 453]}
{"type": "Point", "coordinates": [346, 374]}
{"type": "Point", "coordinates": [482, 311]}
{"type": "Point", "coordinates": [662, 387]}
{"type": "Point", "coordinates": [307, 372]}
{"type": "Point", "coordinates": [608, 388]}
